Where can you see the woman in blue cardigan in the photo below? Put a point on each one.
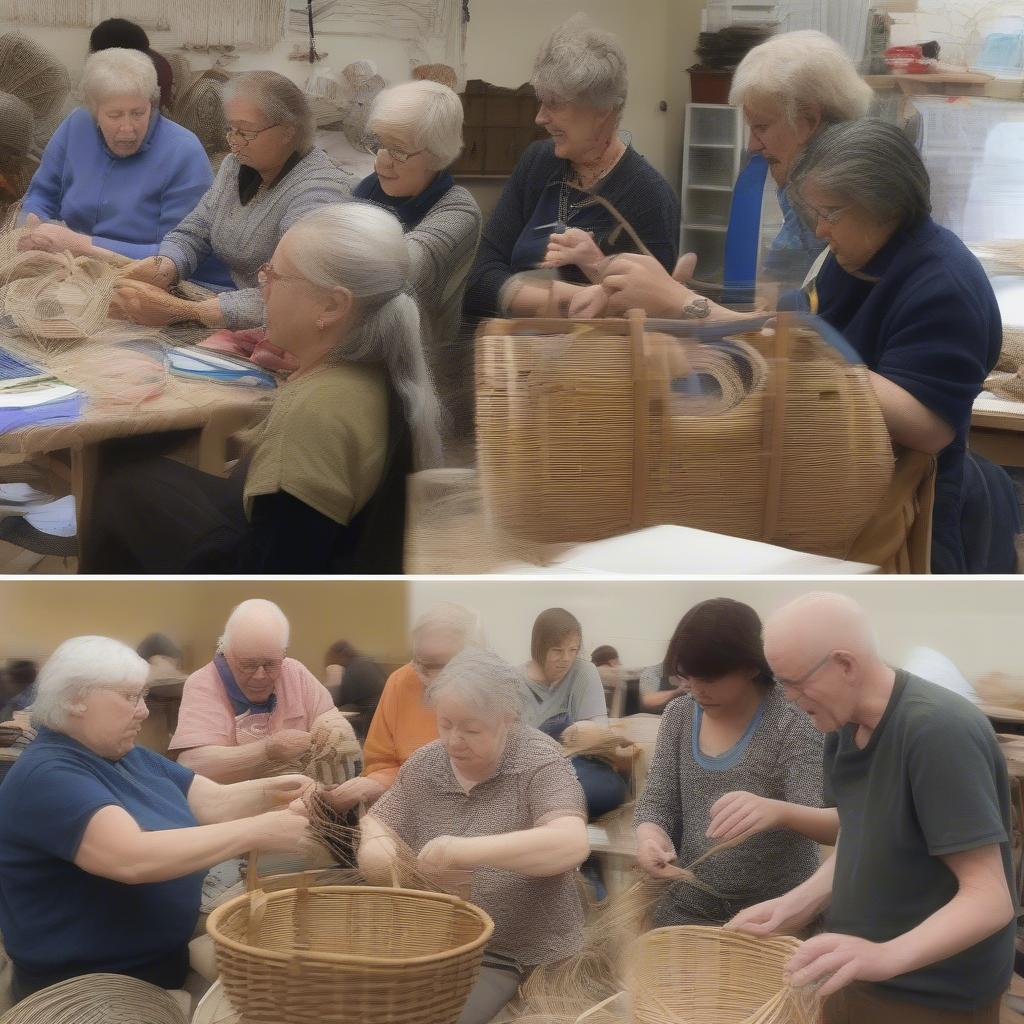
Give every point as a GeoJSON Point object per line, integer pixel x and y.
{"type": "Point", "coordinates": [117, 176]}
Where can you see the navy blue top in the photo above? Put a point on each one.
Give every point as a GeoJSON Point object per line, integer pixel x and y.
{"type": "Point", "coordinates": [516, 236]}
{"type": "Point", "coordinates": [55, 916]}
{"type": "Point", "coordinates": [931, 324]}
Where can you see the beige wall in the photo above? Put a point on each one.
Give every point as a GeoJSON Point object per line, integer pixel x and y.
{"type": "Point", "coordinates": [37, 615]}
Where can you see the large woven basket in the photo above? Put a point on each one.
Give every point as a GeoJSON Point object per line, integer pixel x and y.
{"type": "Point", "coordinates": [584, 432]}
{"type": "Point", "coordinates": [111, 998]}
{"type": "Point", "coordinates": [348, 955]}
{"type": "Point", "coordinates": [714, 976]}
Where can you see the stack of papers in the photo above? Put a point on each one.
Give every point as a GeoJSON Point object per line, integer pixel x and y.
{"type": "Point", "coordinates": [202, 364]}
{"type": "Point", "coordinates": [29, 396]}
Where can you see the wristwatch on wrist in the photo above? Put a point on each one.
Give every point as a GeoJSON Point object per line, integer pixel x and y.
{"type": "Point", "coordinates": [697, 309]}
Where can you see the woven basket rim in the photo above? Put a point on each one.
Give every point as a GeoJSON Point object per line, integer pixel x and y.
{"type": "Point", "coordinates": [219, 938]}
{"type": "Point", "coordinates": [714, 931]}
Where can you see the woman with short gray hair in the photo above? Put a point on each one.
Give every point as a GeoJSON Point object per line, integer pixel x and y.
{"type": "Point", "coordinates": [547, 216]}
{"type": "Point", "coordinates": [104, 844]}
{"type": "Point", "coordinates": [116, 176]}
{"type": "Point", "coordinates": [495, 798]}
{"type": "Point", "coordinates": [918, 308]}
{"type": "Point", "coordinates": [416, 134]}
{"type": "Point", "coordinates": [321, 487]}
{"type": "Point", "coordinates": [273, 177]}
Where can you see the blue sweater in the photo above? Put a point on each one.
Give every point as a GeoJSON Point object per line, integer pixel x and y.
{"type": "Point", "coordinates": [126, 204]}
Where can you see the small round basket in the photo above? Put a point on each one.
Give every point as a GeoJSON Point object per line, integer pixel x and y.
{"type": "Point", "coordinates": [363, 954]}
{"type": "Point", "coordinates": [110, 998]}
{"type": "Point", "coordinates": [714, 976]}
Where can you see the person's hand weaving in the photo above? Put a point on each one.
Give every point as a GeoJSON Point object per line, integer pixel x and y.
{"type": "Point", "coordinates": [785, 915]}
{"type": "Point", "coordinates": [289, 790]}
{"type": "Point", "coordinates": [740, 813]}
{"type": "Point", "coordinates": [54, 238]}
{"type": "Point", "coordinates": [288, 745]}
{"type": "Point", "coordinates": [356, 791]}
{"type": "Point", "coordinates": [655, 853]}
{"type": "Point", "coordinates": [148, 305]}
{"type": "Point", "coordinates": [441, 854]}
{"type": "Point", "coordinates": [284, 831]}
{"type": "Point", "coordinates": [158, 271]}
{"type": "Point", "coordinates": [633, 281]}
{"type": "Point", "coordinates": [573, 247]}
{"type": "Point", "coordinates": [831, 961]}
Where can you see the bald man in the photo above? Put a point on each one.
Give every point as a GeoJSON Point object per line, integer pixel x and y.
{"type": "Point", "coordinates": [918, 905]}
{"type": "Point", "coordinates": [252, 710]}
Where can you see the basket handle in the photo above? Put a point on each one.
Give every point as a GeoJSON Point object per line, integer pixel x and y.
{"type": "Point", "coordinates": [600, 1006]}
{"type": "Point", "coordinates": [252, 871]}
{"type": "Point", "coordinates": [257, 910]}
{"type": "Point", "coordinates": [641, 418]}
{"type": "Point", "coordinates": [781, 348]}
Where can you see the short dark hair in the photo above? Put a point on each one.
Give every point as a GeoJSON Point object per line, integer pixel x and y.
{"type": "Point", "coordinates": [158, 644]}
{"type": "Point", "coordinates": [120, 33]}
{"type": "Point", "coordinates": [717, 637]}
{"type": "Point", "coordinates": [22, 672]}
{"type": "Point", "coordinates": [341, 652]}
{"type": "Point", "coordinates": [551, 627]}
{"type": "Point", "coordinates": [604, 655]}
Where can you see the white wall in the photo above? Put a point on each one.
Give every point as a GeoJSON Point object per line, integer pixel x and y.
{"type": "Point", "coordinates": [977, 624]}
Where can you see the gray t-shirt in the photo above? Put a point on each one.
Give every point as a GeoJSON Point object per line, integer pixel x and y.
{"type": "Point", "coordinates": [931, 781]}
{"type": "Point", "coordinates": [580, 695]}
{"type": "Point", "coordinates": [779, 757]}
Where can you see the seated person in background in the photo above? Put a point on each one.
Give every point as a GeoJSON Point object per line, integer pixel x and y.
{"type": "Point", "coordinates": [321, 487]}
{"type": "Point", "coordinates": [497, 798]}
{"type": "Point", "coordinates": [918, 898]}
{"type": "Point", "coordinates": [734, 733]}
{"type": "Point", "coordinates": [560, 689]}
{"type": "Point", "coordinates": [251, 711]}
{"type": "Point", "coordinates": [658, 687]}
{"type": "Point", "coordinates": [272, 178]}
{"type": "Point", "coordinates": [163, 656]}
{"type": "Point", "coordinates": [402, 722]}
{"type": "Point", "coordinates": [116, 172]}
{"type": "Point", "coordinates": [609, 667]}
{"type": "Point", "coordinates": [416, 134]}
{"type": "Point", "coordinates": [546, 216]}
{"type": "Point", "coordinates": [119, 33]}
{"type": "Point", "coordinates": [18, 690]}
{"type": "Point", "coordinates": [355, 682]}
{"type": "Point", "coordinates": [103, 844]}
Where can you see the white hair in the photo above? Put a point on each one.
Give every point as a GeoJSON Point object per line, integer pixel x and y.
{"type": "Point", "coordinates": [253, 607]}
{"type": "Point", "coordinates": [280, 99]}
{"type": "Point", "coordinates": [426, 115]}
{"type": "Point", "coordinates": [118, 72]}
{"type": "Point", "coordinates": [362, 248]}
{"type": "Point", "coordinates": [481, 680]}
{"type": "Point", "coordinates": [583, 64]}
{"type": "Point", "coordinates": [83, 663]}
{"type": "Point", "coordinates": [797, 71]}
{"type": "Point", "coordinates": [457, 619]}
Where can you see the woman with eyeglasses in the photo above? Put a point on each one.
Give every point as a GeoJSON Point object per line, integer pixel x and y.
{"type": "Point", "coordinates": [320, 487]}
{"type": "Point", "coordinates": [416, 135]}
{"type": "Point", "coordinates": [104, 844]}
{"type": "Point", "coordinates": [272, 178]}
{"type": "Point", "coordinates": [732, 759]}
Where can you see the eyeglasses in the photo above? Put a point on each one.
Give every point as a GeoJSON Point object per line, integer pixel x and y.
{"type": "Point", "coordinates": [374, 146]}
{"type": "Point", "coordinates": [250, 666]}
{"type": "Point", "coordinates": [760, 130]}
{"type": "Point", "coordinates": [267, 275]}
{"type": "Point", "coordinates": [133, 697]}
{"type": "Point", "coordinates": [247, 136]}
{"type": "Point", "coordinates": [807, 675]}
{"type": "Point", "coordinates": [815, 216]}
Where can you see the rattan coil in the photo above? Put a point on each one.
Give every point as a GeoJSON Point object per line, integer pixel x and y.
{"type": "Point", "coordinates": [706, 975]}
{"type": "Point", "coordinates": [372, 955]}
{"type": "Point", "coordinates": [582, 434]}
{"type": "Point", "coordinates": [97, 999]}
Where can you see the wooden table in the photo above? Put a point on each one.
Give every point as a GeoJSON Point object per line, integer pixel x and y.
{"type": "Point", "coordinates": [997, 430]}
{"type": "Point", "coordinates": [210, 412]}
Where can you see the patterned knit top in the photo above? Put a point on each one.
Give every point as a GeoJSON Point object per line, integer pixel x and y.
{"type": "Point", "coordinates": [779, 757]}
{"type": "Point", "coordinates": [244, 235]}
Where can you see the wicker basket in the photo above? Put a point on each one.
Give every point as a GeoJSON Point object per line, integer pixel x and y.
{"type": "Point", "coordinates": [354, 954]}
{"type": "Point", "coordinates": [714, 976]}
{"type": "Point", "coordinates": [582, 434]}
{"type": "Point", "coordinates": [111, 998]}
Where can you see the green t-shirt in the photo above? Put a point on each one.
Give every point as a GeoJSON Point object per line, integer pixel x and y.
{"type": "Point", "coordinates": [931, 781]}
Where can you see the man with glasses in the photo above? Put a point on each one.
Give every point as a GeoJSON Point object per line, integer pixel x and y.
{"type": "Point", "coordinates": [251, 711]}
{"type": "Point", "coordinates": [919, 915]}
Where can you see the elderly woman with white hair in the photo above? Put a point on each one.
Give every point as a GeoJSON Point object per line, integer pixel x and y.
{"type": "Point", "coordinates": [497, 798]}
{"type": "Point", "coordinates": [103, 844]}
{"type": "Point", "coordinates": [321, 486]}
{"type": "Point", "coordinates": [402, 722]}
{"type": "Point", "coordinates": [273, 177]}
{"type": "Point", "coordinates": [416, 135]}
{"type": "Point", "coordinates": [117, 176]}
{"type": "Point", "coordinates": [552, 212]}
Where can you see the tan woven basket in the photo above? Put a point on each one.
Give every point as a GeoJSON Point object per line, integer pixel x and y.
{"type": "Point", "coordinates": [111, 998]}
{"type": "Point", "coordinates": [713, 976]}
{"type": "Point", "coordinates": [581, 436]}
{"type": "Point", "coordinates": [361, 954]}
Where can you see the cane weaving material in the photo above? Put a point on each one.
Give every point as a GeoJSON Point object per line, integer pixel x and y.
{"type": "Point", "coordinates": [111, 998]}
{"type": "Point", "coordinates": [582, 434]}
{"type": "Point", "coordinates": [197, 107]}
{"type": "Point", "coordinates": [34, 75]}
{"type": "Point", "coordinates": [364, 955]}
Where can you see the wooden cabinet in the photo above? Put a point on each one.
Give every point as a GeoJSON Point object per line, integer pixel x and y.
{"type": "Point", "coordinates": [497, 128]}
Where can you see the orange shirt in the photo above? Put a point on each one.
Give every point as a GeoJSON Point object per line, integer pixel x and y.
{"type": "Point", "coordinates": [401, 725]}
